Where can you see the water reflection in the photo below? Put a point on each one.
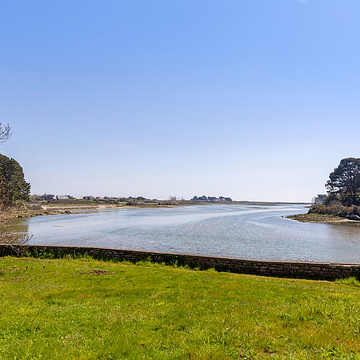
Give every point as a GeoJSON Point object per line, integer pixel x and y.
{"type": "Point", "coordinates": [220, 230]}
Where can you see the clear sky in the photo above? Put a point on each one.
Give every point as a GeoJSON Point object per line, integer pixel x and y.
{"type": "Point", "coordinates": [252, 99]}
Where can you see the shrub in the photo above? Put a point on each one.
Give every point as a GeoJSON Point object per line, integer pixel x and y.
{"type": "Point", "coordinates": [335, 209]}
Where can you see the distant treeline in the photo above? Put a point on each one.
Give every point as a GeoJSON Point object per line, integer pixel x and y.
{"type": "Point", "coordinates": [55, 199]}
{"type": "Point", "coordinates": [210, 198]}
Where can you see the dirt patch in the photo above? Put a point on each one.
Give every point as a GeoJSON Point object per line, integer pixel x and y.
{"type": "Point", "coordinates": [98, 272]}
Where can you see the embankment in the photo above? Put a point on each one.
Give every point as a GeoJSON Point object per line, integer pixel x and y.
{"type": "Point", "coordinates": [288, 269]}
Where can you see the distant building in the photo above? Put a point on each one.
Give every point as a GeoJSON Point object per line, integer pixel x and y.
{"type": "Point", "coordinates": [320, 199]}
{"type": "Point", "coordinates": [47, 197]}
{"type": "Point", "coordinates": [62, 197]}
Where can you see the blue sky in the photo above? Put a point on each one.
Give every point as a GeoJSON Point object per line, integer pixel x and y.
{"type": "Point", "coordinates": [253, 99]}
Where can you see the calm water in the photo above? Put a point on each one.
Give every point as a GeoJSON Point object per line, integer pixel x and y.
{"type": "Point", "coordinates": [220, 230]}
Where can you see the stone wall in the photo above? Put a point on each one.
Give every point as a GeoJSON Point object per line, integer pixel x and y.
{"type": "Point", "coordinates": [289, 269]}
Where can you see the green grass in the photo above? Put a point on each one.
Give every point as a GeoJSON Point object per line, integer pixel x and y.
{"type": "Point", "coordinates": [87, 309]}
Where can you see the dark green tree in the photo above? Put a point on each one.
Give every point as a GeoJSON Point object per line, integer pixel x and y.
{"type": "Point", "coordinates": [344, 182]}
{"type": "Point", "coordinates": [13, 187]}
{"type": "Point", "coordinates": [14, 190]}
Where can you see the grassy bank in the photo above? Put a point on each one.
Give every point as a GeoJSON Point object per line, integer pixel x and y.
{"type": "Point", "coordinates": [86, 309]}
{"type": "Point", "coordinates": [61, 209]}
{"type": "Point", "coordinates": [334, 213]}
{"type": "Point", "coordinates": [322, 218]}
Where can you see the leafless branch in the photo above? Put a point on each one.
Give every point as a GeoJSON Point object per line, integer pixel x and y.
{"type": "Point", "coordinates": [5, 132]}
{"type": "Point", "coordinates": [11, 233]}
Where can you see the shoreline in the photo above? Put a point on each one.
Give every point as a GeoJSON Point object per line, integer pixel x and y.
{"type": "Point", "coordinates": [46, 210]}
{"type": "Point", "coordinates": [64, 209]}
{"type": "Point", "coordinates": [322, 219]}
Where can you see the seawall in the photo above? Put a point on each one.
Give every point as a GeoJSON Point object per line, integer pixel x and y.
{"type": "Point", "coordinates": [288, 269]}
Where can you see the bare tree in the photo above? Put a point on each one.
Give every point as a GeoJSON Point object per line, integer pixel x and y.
{"type": "Point", "coordinates": [13, 233]}
{"type": "Point", "coordinates": [5, 132]}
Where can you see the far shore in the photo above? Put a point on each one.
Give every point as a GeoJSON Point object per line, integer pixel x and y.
{"type": "Point", "coordinates": [79, 209]}
{"type": "Point", "coordinates": [76, 208]}
{"type": "Point", "coordinates": [61, 208]}
{"type": "Point", "coordinates": [83, 209]}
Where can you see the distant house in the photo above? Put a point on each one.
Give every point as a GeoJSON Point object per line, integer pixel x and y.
{"type": "Point", "coordinates": [320, 199]}
{"type": "Point", "coordinates": [47, 197]}
{"type": "Point", "coordinates": [88, 197]}
{"type": "Point", "coordinates": [62, 197]}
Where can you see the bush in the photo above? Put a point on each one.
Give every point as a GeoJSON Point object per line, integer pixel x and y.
{"type": "Point", "coordinates": [335, 209]}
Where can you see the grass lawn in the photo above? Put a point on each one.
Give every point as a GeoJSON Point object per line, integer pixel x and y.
{"type": "Point", "coordinates": [87, 309]}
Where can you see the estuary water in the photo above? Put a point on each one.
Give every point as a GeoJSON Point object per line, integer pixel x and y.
{"type": "Point", "coordinates": [252, 232]}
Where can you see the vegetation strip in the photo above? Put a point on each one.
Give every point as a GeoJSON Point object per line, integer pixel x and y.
{"type": "Point", "coordinates": [59, 309]}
